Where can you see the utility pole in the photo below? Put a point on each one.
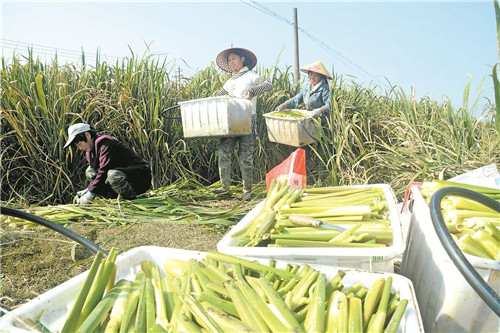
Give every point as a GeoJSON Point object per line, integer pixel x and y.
{"type": "Point", "coordinates": [179, 77]}
{"type": "Point", "coordinates": [178, 83]}
{"type": "Point", "coordinates": [296, 43]}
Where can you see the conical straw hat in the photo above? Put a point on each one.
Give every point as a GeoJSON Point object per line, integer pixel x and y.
{"type": "Point", "coordinates": [316, 67]}
{"type": "Point", "coordinates": [221, 59]}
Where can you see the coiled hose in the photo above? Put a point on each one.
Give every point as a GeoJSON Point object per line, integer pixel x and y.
{"type": "Point", "coordinates": [483, 289]}
{"type": "Point", "coordinates": [51, 225]}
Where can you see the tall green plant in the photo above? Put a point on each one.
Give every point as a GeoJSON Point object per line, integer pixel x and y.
{"type": "Point", "coordinates": [371, 136]}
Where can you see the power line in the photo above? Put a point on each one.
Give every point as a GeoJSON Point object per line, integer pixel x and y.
{"type": "Point", "coordinates": [49, 50]}
{"type": "Point", "coordinates": [324, 46]}
{"type": "Point", "coordinates": [266, 10]}
{"type": "Point", "coordinates": [10, 42]}
{"type": "Point", "coordinates": [39, 52]}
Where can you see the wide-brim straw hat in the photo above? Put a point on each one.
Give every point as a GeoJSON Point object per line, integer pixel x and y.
{"type": "Point", "coordinates": [316, 67]}
{"type": "Point", "coordinates": [221, 60]}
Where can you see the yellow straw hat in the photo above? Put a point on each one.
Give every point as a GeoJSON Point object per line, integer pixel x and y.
{"type": "Point", "coordinates": [316, 67]}
{"type": "Point", "coordinates": [221, 59]}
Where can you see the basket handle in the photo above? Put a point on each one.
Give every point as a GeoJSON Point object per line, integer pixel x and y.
{"type": "Point", "coordinates": [307, 132]}
{"type": "Point", "coordinates": [163, 113]}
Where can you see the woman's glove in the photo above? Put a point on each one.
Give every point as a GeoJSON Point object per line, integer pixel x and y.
{"type": "Point", "coordinates": [86, 198]}
{"type": "Point", "coordinates": [81, 193]}
{"type": "Point", "coordinates": [315, 113]}
{"type": "Point", "coordinates": [280, 107]}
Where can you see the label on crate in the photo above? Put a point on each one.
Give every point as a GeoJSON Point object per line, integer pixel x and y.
{"type": "Point", "coordinates": [377, 258]}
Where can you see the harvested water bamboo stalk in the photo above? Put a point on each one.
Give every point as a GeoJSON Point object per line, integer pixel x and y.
{"type": "Point", "coordinates": [304, 302]}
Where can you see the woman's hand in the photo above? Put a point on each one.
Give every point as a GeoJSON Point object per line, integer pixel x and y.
{"type": "Point", "coordinates": [86, 199]}
{"type": "Point", "coordinates": [280, 107]}
{"type": "Point", "coordinates": [315, 113]}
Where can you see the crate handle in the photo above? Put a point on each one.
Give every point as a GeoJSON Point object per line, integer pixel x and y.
{"type": "Point", "coordinates": [163, 113]}
{"type": "Point", "coordinates": [307, 132]}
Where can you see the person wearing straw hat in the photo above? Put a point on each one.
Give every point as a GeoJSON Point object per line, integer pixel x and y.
{"type": "Point", "coordinates": [114, 168]}
{"type": "Point", "coordinates": [315, 94]}
{"type": "Point", "coordinates": [244, 83]}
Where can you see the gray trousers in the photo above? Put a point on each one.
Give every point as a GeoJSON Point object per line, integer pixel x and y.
{"type": "Point", "coordinates": [245, 159]}
{"type": "Point", "coordinates": [116, 180]}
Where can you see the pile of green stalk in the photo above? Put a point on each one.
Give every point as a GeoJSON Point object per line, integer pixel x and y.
{"type": "Point", "coordinates": [294, 114]}
{"type": "Point", "coordinates": [474, 227]}
{"type": "Point", "coordinates": [223, 293]}
{"type": "Point", "coordinates": [181, 202]}
{"type": "Point", "coordinates": [361, 211]}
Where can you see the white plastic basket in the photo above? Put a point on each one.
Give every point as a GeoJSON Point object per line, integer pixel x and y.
{"type": "Point", "coordinates": [216, 117]}
{"type": "Point", "coordinates": [57, 302]}
{"type": "Point", "coordinates": [295, 132]}
{"type": "Point", "coordinates": [375, 258]}
{"type": "Point", "coordinates": [448, 303]}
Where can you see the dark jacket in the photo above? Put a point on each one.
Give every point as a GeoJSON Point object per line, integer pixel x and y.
{"type": "Point", "coordinates": [109, 153]}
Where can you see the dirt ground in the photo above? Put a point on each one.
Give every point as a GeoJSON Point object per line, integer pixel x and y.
{"type": "Point", "coordinates": [35, 261]}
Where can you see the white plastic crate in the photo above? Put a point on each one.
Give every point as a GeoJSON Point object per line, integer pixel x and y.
{"type": "Point", "coordinates": [57, 302]}
{"type": "Point", "coordinates": [295, 132]}
{"type": "Point", "coordinates": [447, 301]}
{"type": "Point", "coordinates": [216, 117]}
{"type": "Point", "coordinates": [374, 259]}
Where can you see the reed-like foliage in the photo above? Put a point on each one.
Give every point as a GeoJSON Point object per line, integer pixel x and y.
{"type": "Point", "coordinates": [371, 137]}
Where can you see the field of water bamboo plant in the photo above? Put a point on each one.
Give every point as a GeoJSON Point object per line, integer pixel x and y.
{"type": "Point", "coordinates": [373, 135]}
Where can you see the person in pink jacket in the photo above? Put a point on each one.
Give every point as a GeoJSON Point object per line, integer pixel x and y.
{"type": "Point", "coordinates": [114, 168]}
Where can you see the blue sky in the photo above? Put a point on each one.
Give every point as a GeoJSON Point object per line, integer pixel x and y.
{"type": "Point", "coordinates": [433, 46]}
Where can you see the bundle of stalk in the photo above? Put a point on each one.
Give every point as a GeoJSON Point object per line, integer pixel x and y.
{"type": "Point", "coordinates": [294, 114]}
{"type": "Point", "coordinates": [179, 203]}
{"type": "Point", "coordinates": [361, 211]}
{"type": "Point", "coordinates": [223, 293]}
{"type": "Point", "coordinates": [474, 227]}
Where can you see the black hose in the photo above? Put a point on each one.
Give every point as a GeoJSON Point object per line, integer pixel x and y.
{"type": "Point", "coordinates": [483, 289]}
{"type": "Point", "coordinates": [51, 225]}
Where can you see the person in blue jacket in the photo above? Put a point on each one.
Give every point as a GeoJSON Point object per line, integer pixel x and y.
{"type": "Point", "coordinates": [315, 94]}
